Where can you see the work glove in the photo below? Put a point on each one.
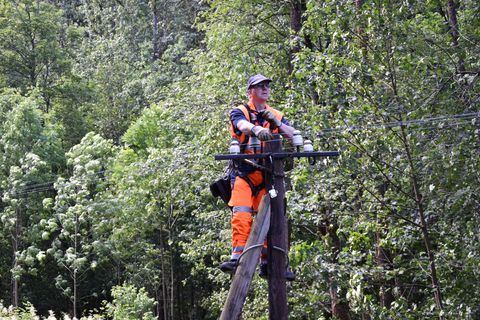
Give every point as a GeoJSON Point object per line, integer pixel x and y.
{"type": "Point", "coordinates": [270, 117]}
{"type": "Point", "coordinates": [262, 133]}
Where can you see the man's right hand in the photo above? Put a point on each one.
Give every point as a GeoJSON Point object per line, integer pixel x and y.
{"type": "Point", "coordinates": [262, 133]}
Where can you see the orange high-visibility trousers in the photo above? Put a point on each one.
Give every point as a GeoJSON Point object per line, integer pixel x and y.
{"type": "Point", "coordinates": [244, 204]}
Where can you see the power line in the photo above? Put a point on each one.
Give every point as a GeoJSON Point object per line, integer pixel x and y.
{"type": "Point", "coordinates": [426, 123]}
{"type": "Point", "coordinates": [407, 123]}
{"type": "Point", "coordinates": [49, 186]}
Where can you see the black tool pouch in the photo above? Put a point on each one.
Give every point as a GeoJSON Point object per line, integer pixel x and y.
{"type": "Point", "coordinates": [222, 188]}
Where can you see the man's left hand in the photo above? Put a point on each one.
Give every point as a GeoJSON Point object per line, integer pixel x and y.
{"type": "Point", "coordinates": [270, 117]}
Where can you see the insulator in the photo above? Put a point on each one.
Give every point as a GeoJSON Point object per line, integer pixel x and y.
{"type": "Point", "coordinates": [297, 139]}
{"type": "Point", "coordinates": [234, 147]}
{"type": "Point", "coordinates": [307, 146]}
{"type": "Point", "coordinates": [253, 142]}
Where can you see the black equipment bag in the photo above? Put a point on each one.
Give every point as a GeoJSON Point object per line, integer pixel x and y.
{"type": "Point", "coordinates": [222, 188]}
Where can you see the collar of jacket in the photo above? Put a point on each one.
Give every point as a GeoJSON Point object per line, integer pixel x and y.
{"type": "Point", "coordinates": [252, 108]}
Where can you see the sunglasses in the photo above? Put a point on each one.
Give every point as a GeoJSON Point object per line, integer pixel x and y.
{"type": "Point", "coordinates": [265, 85]}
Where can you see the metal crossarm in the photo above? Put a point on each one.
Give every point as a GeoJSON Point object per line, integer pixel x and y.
{"type": "Point", "coordinates": [278, 155]}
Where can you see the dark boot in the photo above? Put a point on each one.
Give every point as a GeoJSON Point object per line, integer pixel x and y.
{"type": "Point", "coordinates": [229, 266]}
{"type": "Point", "coordinates": [289, 275]}
{"type": "Point", "coordinates": [263, 271]}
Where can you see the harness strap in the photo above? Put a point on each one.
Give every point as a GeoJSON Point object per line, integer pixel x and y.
{"type": "Point", "coordinates": [255, 189]}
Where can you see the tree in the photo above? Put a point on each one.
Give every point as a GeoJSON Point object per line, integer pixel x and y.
{"type": "Point", "coordinates": [31, 53]}
{"type": "Point", "coordinates": [132, 49]}
{"type": "Point", "coordinates": [24, 212]}
{"type": "Point", "coordinates": [80, 217]}
{"type": "Point", "coordinates": [130, 303]}
{"type": "Point", "coordinates": [30, 155]}
{"type": "Point", "coordinates": [390, 181]}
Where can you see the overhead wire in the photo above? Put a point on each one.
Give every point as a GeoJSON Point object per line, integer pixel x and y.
{"type": "Point", "coordinates": [49, 186]}
{"type": "Point", "coordinates": [406, 123]}
{"type": "Point", "coordinates": [423, 123]}
{"type": "Point", "coordinates": [419, 124]}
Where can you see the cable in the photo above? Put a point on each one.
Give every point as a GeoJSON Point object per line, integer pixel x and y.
{"type": "Point", "coordinates": [47, 186]}
{"type": "Point", "coordinates": [407, 123]}
{"type": "Point", "coordinates": [35, 188]}
{"type": "Point", "coordinates": [425, 123]}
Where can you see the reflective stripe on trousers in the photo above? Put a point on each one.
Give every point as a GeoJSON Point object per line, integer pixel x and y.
{"type": "Point", "coordinates": [242, 209]}
{"type": "Point", "coordinates": [237, 252]}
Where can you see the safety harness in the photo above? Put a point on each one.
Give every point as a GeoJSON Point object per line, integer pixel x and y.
{"type": "Point", "coordinates": [251, 114]}
{"type": "Point", "coordinates": [223, 187]}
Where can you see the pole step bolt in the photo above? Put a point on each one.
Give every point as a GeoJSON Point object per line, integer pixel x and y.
{"type": "Point", "coordinates": [273, 193]}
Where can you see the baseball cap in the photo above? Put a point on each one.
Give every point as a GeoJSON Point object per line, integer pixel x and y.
{"type": "Point", "coordinates": [256, 79]}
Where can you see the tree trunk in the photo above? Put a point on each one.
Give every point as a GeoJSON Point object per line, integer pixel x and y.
{"type": "Point", "coordinates": [452, 21]}
{"type": "Point", "coordinates": [172, 288]}
{"type": "Point", "coordinates": [297, 7]}
{"type": "Point", "coordinates": [172, 275]}
{"type": "Point", "coordinates": [383, 258]}
{"type": "Point", "coordinates": [75, 269]}
{"type": "Point", "coordinates": [424, 227]}
{"type": "Point", "coordinates": [417, 196]}
{"type": "Point", "coordinates": [340, 310]}
{"type": "Point", "coordinates": [158, 307]}
{"type": "Point", "coordinates": [358, 7]}
{"type": "Point", "coordinates": [75, 293]}
{"type": "Point", "coordinates": [363, 43]}
{"type": "Point", "coordinates": [155, 54]}
{"type": "Point", "coordinates": [16, 247]}
{"type": "Point", "coordinates": [33, 61]}
{"type": "Point", "coordinates": [163, 301]}
{"type": "Point", "coordinates": [296, 26]}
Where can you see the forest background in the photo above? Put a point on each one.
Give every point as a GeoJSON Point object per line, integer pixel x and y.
{"type": "Point", "coordinates": [111, 112]}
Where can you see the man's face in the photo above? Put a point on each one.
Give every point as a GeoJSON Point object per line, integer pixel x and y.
{"type": "Point", "coordinates": [261, 91]}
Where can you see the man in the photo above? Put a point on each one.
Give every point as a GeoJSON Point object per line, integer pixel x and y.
{"type": "Point", "coordinates": [256, 119]}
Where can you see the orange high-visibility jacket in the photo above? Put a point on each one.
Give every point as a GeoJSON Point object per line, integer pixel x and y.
{"type": "Point", "coordinates": [250, 114]}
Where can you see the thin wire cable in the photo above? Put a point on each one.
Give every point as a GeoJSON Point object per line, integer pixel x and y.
{"type": "Point", "coordinates": [29, 186]}
{"type": "Point", "coordinates": [425, 123]}
{"type": "Point", "coordinates": [417, 122]}
{"type": "Point", "coordinates": [47, 186]}
{"type": "Point", "coordinates": [407, 123]}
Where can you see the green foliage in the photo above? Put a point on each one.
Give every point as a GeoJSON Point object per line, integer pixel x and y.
{"type": "Point", "coordinates": [32, 55]}
{"type": "Point", "coordinates": [130, 303]}
{"type": "Point", "coordinates": [133, 49]}
{"type": "Point", "coordinates": [27, 313]}
{"type": "Point", "coordinates": [373, 65]}
{"type": "Point", "coordinates": [23, 130]}
{"type": "Point", "coordinates": [79, 215]}
{"type": "Point", "coordinates": [386, 83]}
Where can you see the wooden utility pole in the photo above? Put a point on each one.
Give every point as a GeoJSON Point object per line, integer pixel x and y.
{"type": "Point", "coordinates": [277, 236]}
{"type": "Point", "coordinates": [276, 226]}
{"type": "Point", "coordinates": [247, 264]}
